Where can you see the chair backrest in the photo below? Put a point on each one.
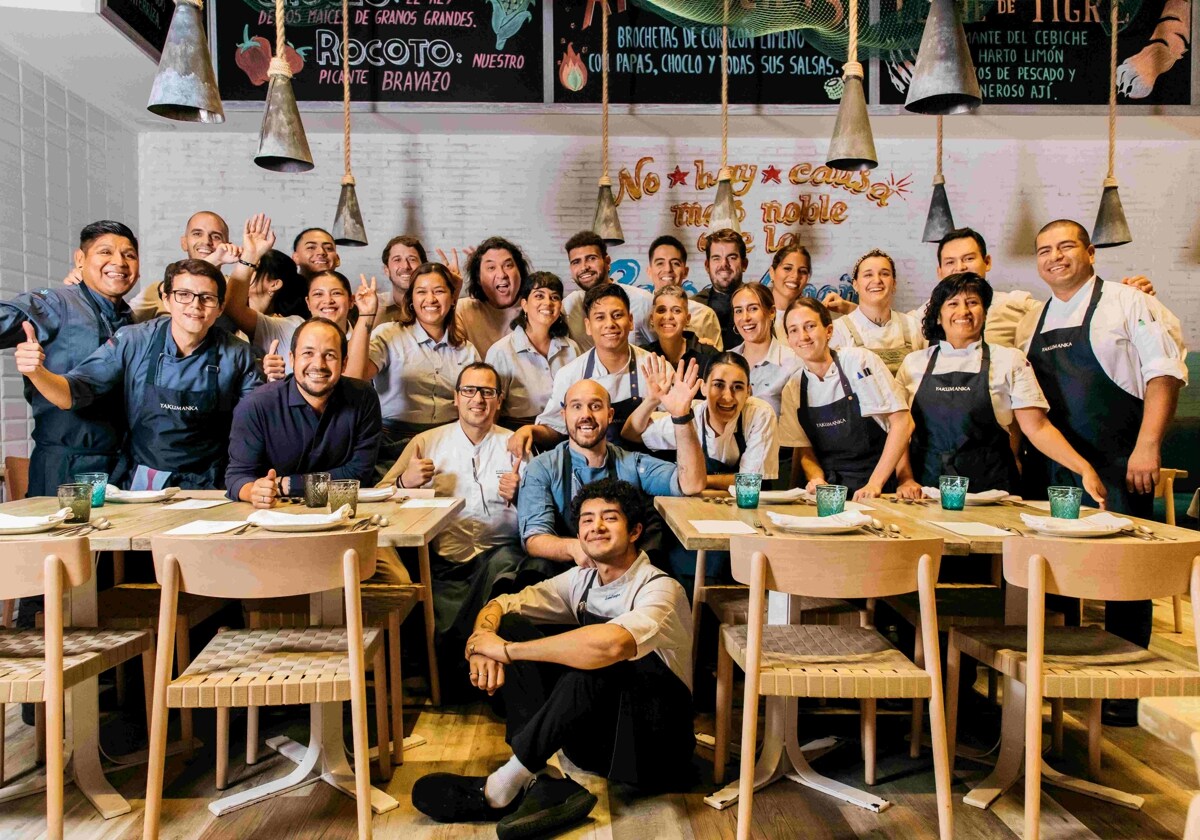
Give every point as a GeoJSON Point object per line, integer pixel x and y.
{"type": "Point", "coordinates": [835, 567]}
{"type": "Point", "coordinates": [1101, 570]}
{"type": "Point", "coordinates": [16, 478]}
{"type": "Point", "coordinates": [23, 569]}
{"type": "Point", "coordinates": [264, 566]}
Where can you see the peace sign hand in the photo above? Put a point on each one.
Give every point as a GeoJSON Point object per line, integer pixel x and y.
{"type": "Point", "coordinates": [367, 297]}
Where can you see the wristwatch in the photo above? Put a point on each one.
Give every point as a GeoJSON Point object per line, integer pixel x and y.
{"type": "Point", "coordinates": [249, 265]}
{"type": "Point", "coordinates": [684, 419]}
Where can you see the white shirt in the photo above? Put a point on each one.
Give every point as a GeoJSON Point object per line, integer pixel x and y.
{"type": "Point", "coordinates": [483, 323]}
{"type": "Point", "coordinates": [656, 613]}
{"type": "Point", "coordinates": [876, 392]}
{"type": "Point", "coordinates": [641, 304]}
{"type": "Point", "coordinates": [704, 323]}
{"type": "Point", "coordinates": [416, 375]}
{"type": "Point", "coordinates": [1135, 338]}
{"type": "Point", "coordinates": [1011, 380]}
{"type": "Point", "coordinates": [900, 329]}
{"type": "Point", "coordinates": [758, 427]}
{"type": "Point", "coordinates": [525, 374]}
{"type": "Point", "coordinates": [615, 382]}
{"type": "Point", "coordinates": [768, 377]}
{"type": "Point", "coordinates": [471, 472]}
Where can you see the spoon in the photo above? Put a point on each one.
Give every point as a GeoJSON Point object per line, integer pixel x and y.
{"type": "Point", "coordinates": [895, 529]}
{"type": "Point", "coordinates": [878, 526]}
{"type": "Point", "coordinates": [1147, 531]}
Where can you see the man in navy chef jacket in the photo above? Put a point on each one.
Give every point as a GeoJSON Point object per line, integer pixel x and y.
{"type": "Point", "coordinates": [180, 379]}
{"type": "Point", "coordinates": [314, 420]}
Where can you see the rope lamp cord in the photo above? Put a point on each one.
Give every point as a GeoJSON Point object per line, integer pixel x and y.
{"type": "Point", "coordinates": [279, 65]}
{"type": "Point", "coordinates": [348, 177]}
{"type": "Point", "coordinates": [605, 181]}
{"type": "Point", "coordinates": [725, 89]}
{"type": "Point", "coordinates": [853, 68]}
{"type": "Point", "coordinates": [1111, 179]}
{"type": "Point", "coordinates": [937, 175]}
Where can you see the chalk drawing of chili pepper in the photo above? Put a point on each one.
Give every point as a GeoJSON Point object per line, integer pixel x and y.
{"type": "Point", "coordinates": [507, 18]}
{"type": "Point", "coordinates": [295, 57]}
{"type": "Point", "coordinates": [254, 57]}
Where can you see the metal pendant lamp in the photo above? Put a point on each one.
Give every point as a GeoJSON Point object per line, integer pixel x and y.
{"type": "Point", "coordinates": [1111, 228]}
{"type": "Point", "coordinates": [606, 224]}
{"type": "Point", "coordinates": [853, 146]}
{"type": "Point", "coordinates": [944, 80]}
{"type": "Point", "coordinates": [185, 87]}
{"type": "Point", "coordinates": [939, 221]}
{"type": "Point", "coordinates": [282, 145]}
{"type": "Point", "coordinates": [724, 214]}
{"type": "Point", "coordinates": [348, 227]}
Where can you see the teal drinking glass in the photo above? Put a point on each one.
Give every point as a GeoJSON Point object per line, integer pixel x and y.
{"type": "Point", "coordinates": [747, 487]}
{"type": "Point", "coordinates": [99, 482]}
{"type": "Point", "coordinates": [953, 489]}
{"type": "Point", "coordinates": [1065, 501]}
{"type": "Point", "coordinates": [831, 499]}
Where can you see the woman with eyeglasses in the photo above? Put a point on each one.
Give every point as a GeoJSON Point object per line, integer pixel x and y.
{"type": "Point", "coordinates": [414, 360]}
{"type": "Point", "coordinates": [538, 346]}
{"type": "Point", "coordinates": [180, 378]}
{"type": "Point", "coordinates": [790, 271]}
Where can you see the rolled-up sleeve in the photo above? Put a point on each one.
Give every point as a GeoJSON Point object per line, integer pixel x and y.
{"type": "Point", "coordinates": [790, 432]}
{"type": "Point", "coordinates": [1023, 388]}
{"type": "Point", "coordinates": [876, 388]}
{"type": "Point", "coordinates": [535, 503]}
{"type": "Point", "coordinates": [545, 602]}
{"type": "Point", "coordinates": [1159, 352]}
{"type": "Point", "coordinates": [653, 611]}
{"type": "Point", "coordinates": [762, 447]}
{"type": "Point", "coordinates": [377, 351]}
{"type": "Point", "coordinates": [656, 476]}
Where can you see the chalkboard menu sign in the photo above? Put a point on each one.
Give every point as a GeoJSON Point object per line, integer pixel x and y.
{"type": "Point", "coordinates": [145, 22]}
{"type": "Point", "coordinates": [400, 50]}
{"type": "Point", "coordinates": [1056, 52]}
{"type": "Point", "coordinates": [653, 61]}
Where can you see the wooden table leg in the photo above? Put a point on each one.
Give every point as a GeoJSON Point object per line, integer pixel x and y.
{"type": "Point", "coordinates": [700, 578]}
{"type": "Point", "coordinates": [435, 683]}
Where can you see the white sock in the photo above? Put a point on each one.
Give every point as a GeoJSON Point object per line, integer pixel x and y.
{"type": "Point", "coordinates": [504, 784]}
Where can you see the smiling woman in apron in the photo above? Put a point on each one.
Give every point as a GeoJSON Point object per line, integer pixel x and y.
{"type": "Point", "coordinates": [414, 361]}
{"type": "Point", "coordinates": [181, 380]}
{"type": "Point", "coordinates": [791, 269]}
{"type": "Point", "coordinates": [844, 414]}
{"type": "Point", "coordinates": [889, 334]}
{"type": "Point", "coordinates": [965, 395]}
{"type": "Point", "coordinates": [771, 361]}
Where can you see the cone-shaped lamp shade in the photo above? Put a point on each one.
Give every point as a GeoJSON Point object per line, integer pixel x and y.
{"type": "Point", "coordinates": [282, 146]}
{"type": "Point", "coordinates": [348, 227]}
{"type": "Point", "coordinates": [1111, 228]}
{"type": "Point", "coordinates": [853, 146]}
{"type": "Point", "coordinates": [606, 224]}
{"type": "Point", "coordinates": [939, 221]}
{"type": "Point", "coordinates": [944, 80]}
{"type": "Point", "coordinates": [724, 209]}
{"type": "Point", "coordinates": [185, 87]}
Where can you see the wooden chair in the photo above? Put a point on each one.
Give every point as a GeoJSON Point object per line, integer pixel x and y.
{"type": "Point", "coordinates": [1078, 662]}
{"type": "Point", "coordinates": [822, 661]}
{"type": "Point", "coordinates": [241, 668]}
{"type": "Point", "coordinates": [16, 485]}
{"type": "Point", "coordinates": [1165, 490]}
{"type": "Point", "coordinates": [38, 666]}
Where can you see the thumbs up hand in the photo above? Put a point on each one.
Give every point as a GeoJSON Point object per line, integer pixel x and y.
{"type": "Point", "coordinates": [265, 492]}
{"type": "Point", "coordinates": [510, 482]}
{"type": "Point", "coordinates": [419, 473]}
{"type": "Point", "coordinates": [29, 356]}
{"type": "Point", "coordinates": [273, 365]}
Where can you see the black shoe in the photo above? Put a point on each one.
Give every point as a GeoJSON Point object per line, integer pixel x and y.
{"type": "Point", "coordinates": [450, 798]}
{"type": "Point", "coordinates": [27, 714]}
{"type": "Point", "coordinates": [549, 805]}
{"type": "Point", "coordinates": [1119, 712]}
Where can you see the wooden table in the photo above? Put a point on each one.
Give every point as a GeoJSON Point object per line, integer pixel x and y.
{"type": "Point", "coordinates": [133, 528]}
{"type": "Point", "coordinates": [782, 754]}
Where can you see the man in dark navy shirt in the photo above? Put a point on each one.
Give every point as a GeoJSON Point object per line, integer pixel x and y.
{"type": "Point", "coordinates": [312, 421]}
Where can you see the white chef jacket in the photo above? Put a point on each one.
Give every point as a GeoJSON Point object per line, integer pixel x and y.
{"type": "Point", "coordinates": [615, 382]}
{"type": "Point", "coordinates": [758, 427]}
{"type": "Point", "coordinates": [525, 374]}
{"type": "Point", "coordinates": [900, 329]}
{"type": "Point", "coordinates": [416, 374]}
{"type": "Point", "coordinates": [876, 392]}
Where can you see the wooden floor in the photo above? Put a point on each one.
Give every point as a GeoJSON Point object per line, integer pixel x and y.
{"type": "Point", "coordinates": [470, 740]}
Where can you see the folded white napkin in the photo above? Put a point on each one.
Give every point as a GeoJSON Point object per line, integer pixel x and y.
{"type": "Point", "coordinates": [1100, 521]}
{"type": "Point", "coordinates": [985, 496]}
{"type": "Point", "coordinates": [849, 518]}
{"type": "Point", "coordinates": [274, 517]}
{"type": "Point", "coordinates": [112, 493]}
{"type": "Point", "coordinates": [8, 521]}
{"type": "Point", "coordinates": [375, 494]}
{"type": "Point", "coordinates": [779, 497]}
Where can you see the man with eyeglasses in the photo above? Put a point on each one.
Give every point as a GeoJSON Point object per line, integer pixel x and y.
{"type": "Point", "coordinates": [479, 554]}
{"type": "Point", "coordinates": [180, 379]}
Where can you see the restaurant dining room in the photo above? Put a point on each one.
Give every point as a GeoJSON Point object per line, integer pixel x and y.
{"type": "Point", "coordinates": [599, 419]}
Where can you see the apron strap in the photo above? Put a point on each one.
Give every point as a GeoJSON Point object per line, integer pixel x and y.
{"type": "Point", "coordinates": [581, 610]}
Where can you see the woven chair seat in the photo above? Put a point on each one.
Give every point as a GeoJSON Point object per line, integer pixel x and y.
{"type": "Point", "coordinates": [826, 661]}
{"type": "Point", "coordinates": [134, 606]}
{"type": "Point", "coordinates": [1084, 662]}
{"type": "Point", "coordinates": [86, 653]}
{"type": "Point", "coordinates": [731, 605]}
{"type": "Point", "coordinates": [270, 668]}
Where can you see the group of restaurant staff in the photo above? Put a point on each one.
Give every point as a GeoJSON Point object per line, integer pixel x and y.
{"type": "Point", "coordinates": [1012, 392]}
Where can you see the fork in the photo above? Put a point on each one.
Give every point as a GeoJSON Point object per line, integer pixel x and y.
{"type": "Point", "coordinates": [242, 529]}
{"type": "Point", "coordinates": [758, 524]}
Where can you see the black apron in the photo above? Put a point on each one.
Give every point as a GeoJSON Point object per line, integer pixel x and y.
{"type": "Point", "coordinates": [654, 722]}
{"type": "Point", "coordinates": [956, 430]}
{"type": "Point", "coordinates": [1096, 415]}
{"type": "Point", "coordinates": [564, 527]}
{"type": "Point", "coordinates": [847, 444]}
{"type": "Point", "coordinates": [714, 466]}
{"type": "Point", "coordinates": [183, 432]}
{"type": "Point", "coordinates": [623, 408]}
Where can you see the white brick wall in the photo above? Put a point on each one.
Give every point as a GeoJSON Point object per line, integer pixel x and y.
{"type": "Point", "coordinates": [63, 164]}
{"type": "Point", "coordinates": [453, 190]}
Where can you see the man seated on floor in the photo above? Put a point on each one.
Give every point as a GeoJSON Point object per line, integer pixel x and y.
{"type": "Point", "coordinates": [314, 420]}
{"type": "Point", "coordinates": [481, 547]}
{"type": "Point", "coordinates": [611, 689]}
